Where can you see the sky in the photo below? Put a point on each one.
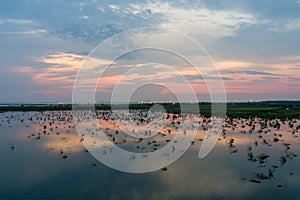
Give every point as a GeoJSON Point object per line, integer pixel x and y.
{"type": "Point", "coordinates": [254, 45]}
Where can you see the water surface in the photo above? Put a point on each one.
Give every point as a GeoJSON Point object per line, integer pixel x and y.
{"type": "Point", "coordinates": [42, 157]}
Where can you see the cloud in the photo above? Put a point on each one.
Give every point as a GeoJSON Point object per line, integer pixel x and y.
{"type": "Point", "coordinates": [20, 27]}
{"type": "Point", "coordinates": [61, 68]}
{"type": "Point", "coordinates": [58, 77]}
{"type": "Point", "coordinates": [61, 71]}
{"type": "Point", "coordinates": [196, 78]}
{"type": "Point", "coordinates": [237, 32]}
{"type": "Point", "coordinates": [294, 68]}
{"type": "Point", "coordinates": [293, 25]}
{"type": "Point", "coordinates": [265, 80]}
{"type": "Point", "coordinates": [114, 8]}
{"type": "Point", "coordinates": [246, 71]}
{"type": "Point", "coordinates": [84, 17]}
{"type": "Point", "coordinates": [17, 21]}
{"type": "Point", "coordinates": [29, 32]}
{"type": "Point", "coordinates": [96, 21]}
{"type": "Point", "coordinates": [63, 59]}
{"type": "Point", "coordinates": [252, 72]}
{"type": "Point", "coordinates": [198, 20]}
{"type": "Point", "coordinates": [294, 79]}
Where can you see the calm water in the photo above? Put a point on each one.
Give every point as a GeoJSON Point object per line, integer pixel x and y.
{"type": "Point", "coordinates": [42, 157]}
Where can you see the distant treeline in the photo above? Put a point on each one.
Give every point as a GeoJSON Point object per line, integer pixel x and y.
{"type": "Point", "coordinates": [264, 109]}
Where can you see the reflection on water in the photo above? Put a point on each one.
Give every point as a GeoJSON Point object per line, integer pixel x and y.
{"type": "Point", "coordinates": [44, 158]}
